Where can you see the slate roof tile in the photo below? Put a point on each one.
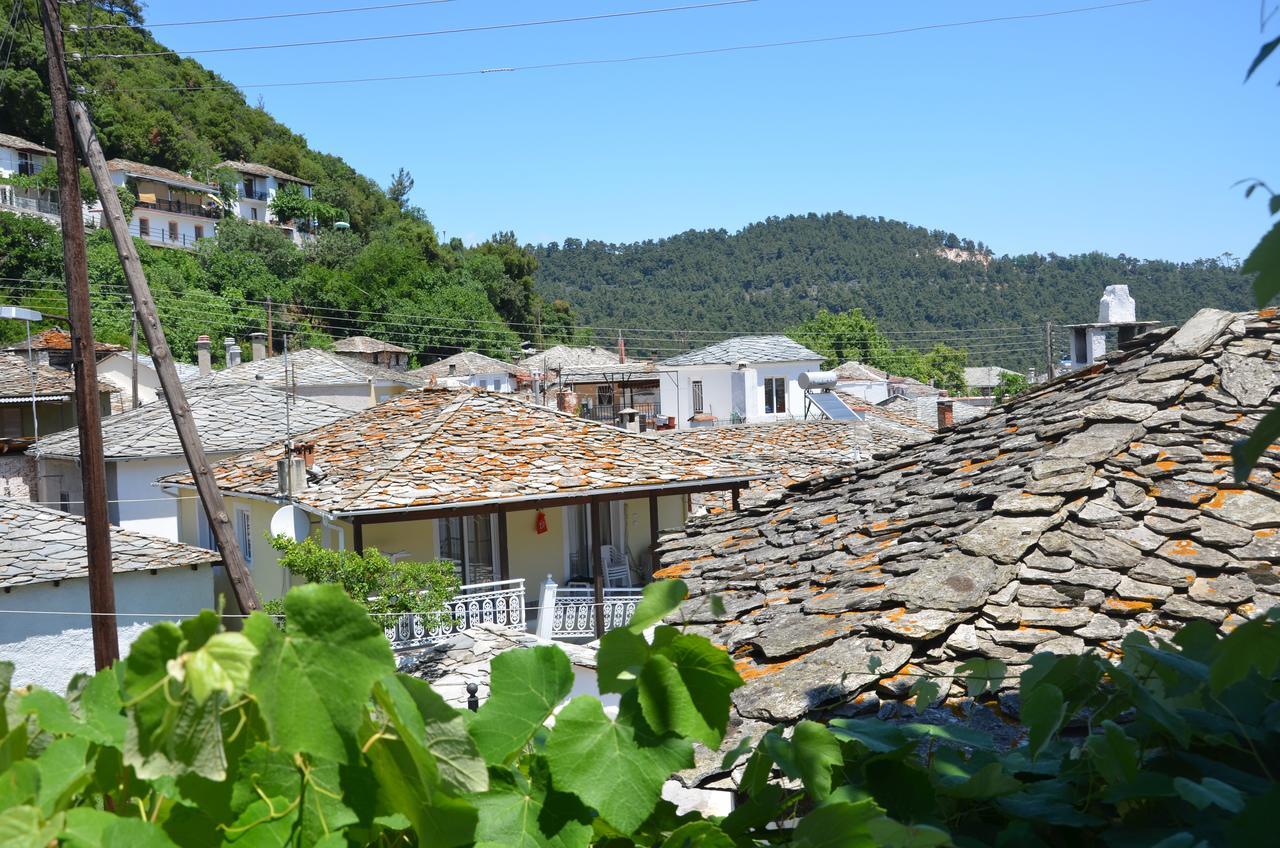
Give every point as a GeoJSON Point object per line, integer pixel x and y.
{"type": "Point", "coordinates": [750, 349]}
{"type": "Point", "coordinates": [466, 363]}
{"type": "Point", "coordinates": [15, 379]}
{"type": "Point", "coordinates": [309, 367]}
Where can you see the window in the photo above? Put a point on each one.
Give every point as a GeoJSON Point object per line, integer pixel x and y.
{"type": "Point", "coordinates": [248, 187]}
{"type": "Point", "coordinates": [468, 543]}
{"type": "Point", "coordinates": [199, 231]}
{"type": "Point", "coordinates": [696, 387]}
{"type": "Point", "coordinates": [604, 395]}
{"type": "Point", "coordinates": [173, 231]}
{"type": "Point", "coordinates": [775, 395]}
{"type": "Point", "coordinates": [253, 213]}
{"type": "Point", "coordinates": [144, 227]}
{"type": "Point", "coordinates": [245, 534]}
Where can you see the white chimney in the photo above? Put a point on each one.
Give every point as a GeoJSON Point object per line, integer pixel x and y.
{"type": "Point", "coordinates": [258, 344]}
{"type": "Point", "coordinates": [1116, 306]}
{"type": "Point", "coordinates": [233, 356]}
{"type": "Point", "coordinates": [204, 356]}
{"type": "Point", "coordinates": [227, 344]}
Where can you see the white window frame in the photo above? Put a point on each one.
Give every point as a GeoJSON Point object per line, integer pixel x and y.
{"type": "Point", "coordinates": [697, 400]}
{"type": "Point", "coordinates": [244, 533]}
{"type": "Point", "coordinates": [772, 395]}
{"type": "Point", "coordinates": [464, 567]}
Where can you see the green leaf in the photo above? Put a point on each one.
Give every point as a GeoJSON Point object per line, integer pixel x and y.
{"type": "Point", "coordinates": [969, 737]}
{"type": "Point", "coordinates": [891, 834]}
{"type": "Point", "coordinates": [1265, 262]}
{"type": "Point", "coordinates": [63, 773]}
{"type": "Point", "coordinates": [312, 681]}
{"type": "Point", "coordinates": [134, 833]}
{"type": "Point", "coordinates": [698, 834]}
{"type": "Point", "coordinates": [266, 823]}
{"type": "Point", "coordinates": [1043, 712]}
{"type": "Point", "coordinates": [1254, 645]}
{"type": "Point", "coordinates": [843, 825]}
{"type": "Point", "coordinates": [1263, 52]}
{"type": "Point", "coordinates": [526, 812]}
{"type": "Point", "coordinates": [809, 756]}
{"type": "Point", "coordinates": [876, 736]}
{"type": "Point", "coordinates": [709, 676]}
{"type": "Point", "coordinates": [221, 664]}
{"type": "Point", "coordinates": [659, 599]}
{"type": "Point", "coordinates": [1210, 792]}
{"type": "Point", "coordinates": [616, 767]}
{"type": "Point", "coordinates": [19, 784]}
{"type": "Point", "coordinates": [981, 675]}
{"type": "Point", "coordinates": [423, 715]}
{"type": "Point", "coordinates": [526, 685]}
{"type": "Point", "coordinates": [1245, 453]}
{"type": "Point", "coordinates": [990, 781]}
{"type": "Point", "coordinates": [23, 827]}
{"type": "Point", "coordinates": [84, 826]}
{"type": "Point", "coordinates": [618, 662]}
{"type": "Point", "coordinates": [188, 741]}
{"type": "Point", "coordinates": [101, 709]}
{"type": "Point", "coordinates": [926, 691]}
{"type": "Point", "coordinates": [1114, 754]}
{"type": "Point", "coordinates": [731, 757]}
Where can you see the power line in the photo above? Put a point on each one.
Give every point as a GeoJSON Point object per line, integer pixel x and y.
{"type": "Point", "coordinates": [425, 34]}
{"type": "Point", "coordinates": [275, 17]}
{"type": "Point", "coordinates": [644, 57]}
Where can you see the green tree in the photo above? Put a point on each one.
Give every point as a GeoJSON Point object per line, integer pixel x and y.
{"type": "Point", "coordinates": [943, 366]}
{"type": "Point", "coordinates": [1009, 386]}
{"type": "Point", "coordinates": [841, 337]}
{"type": "Point", "coordinates": [399, 187]}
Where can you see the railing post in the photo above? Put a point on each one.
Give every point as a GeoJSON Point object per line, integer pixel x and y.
{"type": "Point", "coordinates": [546, 605]}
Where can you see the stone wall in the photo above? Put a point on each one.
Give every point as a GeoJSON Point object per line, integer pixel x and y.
{"type": "Point", "coordinates": [17, 477]}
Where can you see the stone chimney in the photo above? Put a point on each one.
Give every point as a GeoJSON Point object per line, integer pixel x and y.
{"type": "Point", "coordinates": [233, 355]}
{"type": "Point", "coordinates": [203, 355]}
{"type": "Point", "coordinates": [946, 415]}
{"type": "Point", "coordinates": [567, 401]}
{"type": "Point", "coordinates": [453, 368]}
{"type": "Point", "coordinates": [1117, 306]}
{"type": "Point", "coordinates": [258, 344]}
{"type": "Point", "coordinates": [227, 344]}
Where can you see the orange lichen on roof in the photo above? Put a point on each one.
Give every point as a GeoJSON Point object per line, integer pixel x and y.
{"type": "Point", "coordinates": [1166, 465]}
{"type": "Point", "coordinates": [880, 525]}
{"type": "Point", "coordinates": [827, 519]}
{"type": "Point", "coordinates": [970, 465]}
{"type": "Point", "coordinates": [1218, 457]}
{"type": "Point", "coordinates": [1011, 429]}
{"type": "Point", "coordinates": [748, 670]}
{"type": "Point", "coordinates": [1129, 606]}
{"type": "Point", "coordinates": [1184, 547]}
{"type": "Point", "coordinates": [679, 569]}
{"type": "Point", "coordinates": [894, 614]}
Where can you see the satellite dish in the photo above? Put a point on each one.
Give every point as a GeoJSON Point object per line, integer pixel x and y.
{"type": "Point", "coordinates": [291, 522]}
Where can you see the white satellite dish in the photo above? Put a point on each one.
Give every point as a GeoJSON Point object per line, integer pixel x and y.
{"type": "Point", "coordinates": [291, 522]}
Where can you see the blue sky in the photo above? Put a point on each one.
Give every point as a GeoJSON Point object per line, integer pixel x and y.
{"type": "Point", "coordinates": [1119, 130]}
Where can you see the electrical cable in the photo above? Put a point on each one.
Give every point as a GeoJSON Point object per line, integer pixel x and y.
{"type": "Point", "coordinates": [278, 16]}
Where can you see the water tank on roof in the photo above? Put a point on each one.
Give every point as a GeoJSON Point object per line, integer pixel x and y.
{"type": "Point", "coordinates": [816, 381]}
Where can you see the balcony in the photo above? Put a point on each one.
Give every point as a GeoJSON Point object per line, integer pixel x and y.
{"type": "Point", "coordinates": [608, 414]}
{"type": "Point", "coordinates": [12, 200]}
{"type": "Point", "coordinates": [28, 169]}
{"type": "Point", "coordinates": [179, 207]}
{"type": "Point", "coordinates": [253, 195]}
{"type": "Point", "coordinates": [159, 236]}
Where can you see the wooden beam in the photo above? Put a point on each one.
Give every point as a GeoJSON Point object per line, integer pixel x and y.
{"type": "Point", "coordinates": [504, 554]}
{"type": "Point", "coordinates": [93, 470]}
{"type": "Point", "coordinates": [174, 395]}
{"type": "Point", "coordinates": [357, 535]}
{"type": "Point", "coordinates": [597, 568]}
{"type": "Point", "coordinates": [735, 492]}
{"type": "Point", "coordinates": [653, 529]}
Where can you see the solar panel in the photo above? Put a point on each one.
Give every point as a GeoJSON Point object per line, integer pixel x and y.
{"type": "Point", "coordinates": [833, 407]}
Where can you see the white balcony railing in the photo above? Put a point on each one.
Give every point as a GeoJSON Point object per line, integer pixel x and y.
{"type": "Point", "coordinates": [570, 612]}
{"type": "Point", "coordinates": [500, 602]}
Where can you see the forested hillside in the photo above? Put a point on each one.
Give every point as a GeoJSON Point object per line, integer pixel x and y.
{"type": "Point", "coordinates": [387, 275]}
{"type": "Point", "coordinates": [780, 272]}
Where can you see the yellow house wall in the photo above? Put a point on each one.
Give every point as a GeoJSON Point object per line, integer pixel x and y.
{"type": "Point", "coordinates": [532, 555]}
{"type": "Point", "coordinates": [416, 538]}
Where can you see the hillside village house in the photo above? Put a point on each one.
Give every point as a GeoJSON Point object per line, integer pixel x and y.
{"type": "Point", "coordinates": [510, 491]}
{"type": "Point", "coordinates": [172, 210]}
{"type": "Point", "coordinates": [627, 394]}
{"type": "Point", "coordinates": [117, 369]}
{"type": "Point", "coordinates": [256, 187]}
{"type": "Point", "coordinates": [22, 158]}
{"type": "Point", "coordinates": [44, 566]}
{"type": "Point", "coordinates": [982, 382]}
{"type": "Point", "coordinates": [1096, 505]}
{"type": "Point", "coordinates": [374, 352]}
{"type": "Point", "coordinates": [312, 373]}
{"type": "Point", "coordinates": [743, 379]}
{"type": "Point", "coordinates": [141, 446]}
{"type": "Point", "coordinates": [544, 367]}
{"type": "Point", "coordinates": [476, 370]}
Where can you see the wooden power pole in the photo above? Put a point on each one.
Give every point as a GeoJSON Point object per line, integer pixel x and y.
{"type": "Point", "coordinates": [93, 471]}
{"type": "Point", "coordinates": [1048, 351]}
{"type": "Point", "coordinates": [175, 397]}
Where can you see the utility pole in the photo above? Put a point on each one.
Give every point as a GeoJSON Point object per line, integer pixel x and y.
{"type": "Point", "coordinates": [271, 341]}
{"type": "Point", "coordinates": [174, 395]}
{"type": "Point", "coordinates": [93, 470]}
{"type": "Point", "coordinates": [133, 355]}
{"type": "Point", "coordinates": [1048, 351]}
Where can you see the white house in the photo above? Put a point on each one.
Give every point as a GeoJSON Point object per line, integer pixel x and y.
{"type": "Point", "coordinates": [256, 187]}
{"type": "Point", "coordinates": [746, 378]}
{"type": "Point", "coordinates": [982, 381]}
{"type": "Point", "coordinates": [862, 381]}
{"type": "Point", "coordinates": [44, 623]}
{"type": "Point", "coordinates": [172, 210]}
{"type": "Point", "coordinates": [19, 157]}
{"type": "Point", "coordinates": [117, 369]}
{"type": "Point", "coordinates": [469, 368]}
{"type": "Point", "coordinates": [141, 446]}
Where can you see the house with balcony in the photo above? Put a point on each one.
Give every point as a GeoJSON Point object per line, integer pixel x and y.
{"type": "Point", "coordinates": [628, 394]}
{"type": "Point", "coordinates": [22, 158]}
{"type": "Point", "coordinates": [256, 187]}
{"type": "Point", "coordinates": [472, 369]}
{"type": "Point", "coordinates": [742, 379]}
{"type": "Point", "coordinates": [513, 493]}
{"type": "Point", "coordinates": [172, 210]}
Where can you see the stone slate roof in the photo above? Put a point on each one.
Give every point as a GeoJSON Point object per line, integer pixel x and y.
{"type": "Point", "coordinates": [792, 450]}
{"type": "Point", "coordinates": [565, 356]}
{"type": "Point", "coordinates": [40, 545]}
{"type": "Point", "coordinates": [310, 367]}
{"type": "Point", "coordinates": [1095, 505]}
{"type": "Point", "coordinates": [186, 371]}
{"type": "Point", "coordinates": [229, 418]}
{"type": "Point", "coordinates": [158, 174]}
{"type": "Point", "coordinates": [467, 363]}
{"type": "Point", "coordinates": [746, 349]}
{"type": "Point", "coordinates": [261, 171]}
{"type": "Point", "coordinates": [440, 448]}
{"type": "Point", "coordinates": [367, 344]}
{"type": "Point", "coordinates": [450, 664]}
{"type": "Point", "coordinates": [15, 379]}
{"type": "Point", "coordinates": [924, 409]}
{"type": "Point", "coordinates": [855, 370]}
{"type": "Point", "coordinates": [988, 375]}
{"type": "Point", "coordinates": [55, 338]}
{"type": "Point", "coordinates": [14, 142]}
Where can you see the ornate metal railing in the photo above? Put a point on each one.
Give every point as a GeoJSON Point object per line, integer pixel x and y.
{"type": "Point", "coordinates": [8, 197]}
{"type": "Point", "coordinates": [570, 612]}
{"type": "Point", "coordinates": [500, 602]}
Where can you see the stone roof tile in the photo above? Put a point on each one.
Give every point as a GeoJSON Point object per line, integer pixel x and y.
{"type": "Point", "coordinates": [309, 367]}
{"type": "Point", "coordinates": [750, 349]}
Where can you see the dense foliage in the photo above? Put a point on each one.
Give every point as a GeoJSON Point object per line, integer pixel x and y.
{"type": "Point", "coordinates": [306, 736]}
{"type": "Point", "coordinates": [370, 578]}
{"type": "Point", "coordinates": [1010, 385]}
{"type": "Point", "coordinates": [783, 270]}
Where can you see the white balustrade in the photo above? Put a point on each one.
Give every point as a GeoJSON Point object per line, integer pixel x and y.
{"type": "Point", "coordinates": [499, 602]}
{"type": "Point", "coordinates": [569, 612]}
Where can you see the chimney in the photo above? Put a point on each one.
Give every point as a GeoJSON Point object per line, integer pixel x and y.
{"type": "Point", "coordinates": [946, 416]}
{"type": "Point", "coordinates": [567, 401]}
{"type": "Point", "coordinates": [453, 369]}
{"type": "Point", "coordinates": [227, 344]}
{"type": "Point", "coordinates": [203, 355]}
{"type": "Point", "coordinates": [291, 471]}
{"type": "Point", "coordinates": [258, 344]}
{"type": "Point", "coordinates": [233, 356]}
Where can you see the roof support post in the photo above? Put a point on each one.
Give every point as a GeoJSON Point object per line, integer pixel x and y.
{"type": "Point", "coordinates": [357, 535]}
{"type": "Point", "coordinates": [736, 505]}
{"type": "Point", "coordinates": [653, 531]}
{"type": "Point", "coordinates": [597, 567]}
{"type": "Point", "coordinates": [504, 554]}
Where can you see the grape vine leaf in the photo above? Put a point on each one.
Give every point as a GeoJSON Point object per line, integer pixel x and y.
{"type": "Point", "coordinates": [312, 681]}
{"type": "Point", "coordinates": [659, 599]}
{"type": "Point", "coordinates": [221, 664]}
{"type": "Point", "coordinates": [526, 685]}
{"type": "Point", "coordinates": [63, 772]}
{"type": "Point", "coordinates": [437, 727]}
{"type": "Point", "coordinates": [698, 834]}
{"type": "Point", "coordinates": [840, 825]}
{"type": "Point", "coordinates": [616, 766]}
{"type": "Point", "coordinates": [809, 756]}
{"type": "Point", "coordinates": [527, 812]}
